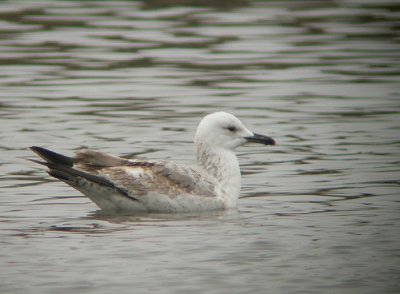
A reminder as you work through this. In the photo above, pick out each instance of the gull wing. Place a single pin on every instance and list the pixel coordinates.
(166, 178)
(132, 178)
(62, 168)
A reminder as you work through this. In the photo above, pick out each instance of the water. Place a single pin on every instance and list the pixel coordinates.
(319, 212)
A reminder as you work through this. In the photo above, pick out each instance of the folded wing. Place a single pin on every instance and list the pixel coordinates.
(132, 178)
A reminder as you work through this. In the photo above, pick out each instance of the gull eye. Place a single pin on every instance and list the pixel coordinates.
(231, 129)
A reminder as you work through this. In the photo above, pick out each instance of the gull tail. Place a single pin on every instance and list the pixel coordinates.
(61, 167)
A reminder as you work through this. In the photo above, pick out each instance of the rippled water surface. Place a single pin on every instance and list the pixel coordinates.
(319, 212)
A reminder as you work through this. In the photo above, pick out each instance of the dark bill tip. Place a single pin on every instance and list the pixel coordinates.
(261, 139)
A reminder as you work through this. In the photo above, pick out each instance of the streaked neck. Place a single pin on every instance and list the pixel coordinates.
(223, 165)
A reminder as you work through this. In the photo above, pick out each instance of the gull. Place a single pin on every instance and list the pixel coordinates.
(116, 184)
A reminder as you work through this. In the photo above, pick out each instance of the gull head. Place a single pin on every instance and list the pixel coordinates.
(224, 130)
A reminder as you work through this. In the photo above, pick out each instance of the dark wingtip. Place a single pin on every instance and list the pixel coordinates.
(51, 156)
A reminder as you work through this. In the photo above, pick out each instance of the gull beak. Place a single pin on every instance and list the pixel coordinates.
(257, 138)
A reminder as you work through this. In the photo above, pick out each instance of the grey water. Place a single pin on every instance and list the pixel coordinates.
(319, 212)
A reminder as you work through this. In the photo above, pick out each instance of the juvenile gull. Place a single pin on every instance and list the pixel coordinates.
(143, 185)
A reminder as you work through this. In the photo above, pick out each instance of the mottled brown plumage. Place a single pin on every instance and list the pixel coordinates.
(139, 184)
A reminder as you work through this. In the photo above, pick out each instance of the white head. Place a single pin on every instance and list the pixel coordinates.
(224, 130)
